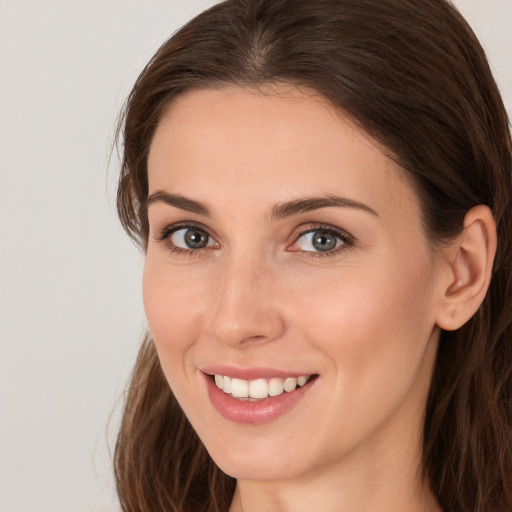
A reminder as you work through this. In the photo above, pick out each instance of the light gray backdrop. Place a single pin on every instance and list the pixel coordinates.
(70, 307)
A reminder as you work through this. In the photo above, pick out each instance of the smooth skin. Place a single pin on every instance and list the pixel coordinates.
(233, 277)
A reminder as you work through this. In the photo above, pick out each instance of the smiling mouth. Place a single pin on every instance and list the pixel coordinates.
(259, 389)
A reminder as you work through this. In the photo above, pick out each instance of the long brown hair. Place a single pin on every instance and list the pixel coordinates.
(412, 74)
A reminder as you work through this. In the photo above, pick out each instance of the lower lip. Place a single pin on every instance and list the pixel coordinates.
(257, 412)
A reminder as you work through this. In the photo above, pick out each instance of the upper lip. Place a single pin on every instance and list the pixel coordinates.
(252, 372)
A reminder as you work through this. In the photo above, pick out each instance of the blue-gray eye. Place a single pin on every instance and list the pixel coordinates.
(320, 240)
(191, 238)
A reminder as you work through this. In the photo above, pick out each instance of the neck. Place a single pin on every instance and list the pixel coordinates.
(327, 495)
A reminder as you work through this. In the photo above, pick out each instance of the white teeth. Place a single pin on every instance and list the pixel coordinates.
(227, 385)
(275, 387)
(259, 388)
(219, 380)
(290, 384)
(239, 388)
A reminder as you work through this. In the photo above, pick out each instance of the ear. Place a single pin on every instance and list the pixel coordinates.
(469, 262)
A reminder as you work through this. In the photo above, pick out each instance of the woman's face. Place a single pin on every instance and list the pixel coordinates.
(284, 244)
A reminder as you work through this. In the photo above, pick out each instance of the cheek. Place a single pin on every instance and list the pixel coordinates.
(363, 307)
(173, 307)
(374, 326)
(374, 329)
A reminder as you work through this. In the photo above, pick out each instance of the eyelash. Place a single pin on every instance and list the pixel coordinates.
(348, 240)
(165, 234)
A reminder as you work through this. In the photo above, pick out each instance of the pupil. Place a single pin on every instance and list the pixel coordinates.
(196, 239)
(324, 241)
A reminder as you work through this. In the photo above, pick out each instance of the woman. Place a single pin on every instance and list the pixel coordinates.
(323, 193)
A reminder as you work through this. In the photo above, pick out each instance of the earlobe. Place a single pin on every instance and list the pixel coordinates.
(470, 259)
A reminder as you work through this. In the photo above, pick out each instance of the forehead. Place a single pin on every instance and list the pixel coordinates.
(237, 145)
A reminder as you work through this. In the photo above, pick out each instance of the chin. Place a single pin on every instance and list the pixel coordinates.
(258, 460)
(256, 469)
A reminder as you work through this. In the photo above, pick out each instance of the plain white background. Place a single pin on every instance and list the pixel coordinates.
(70, 305)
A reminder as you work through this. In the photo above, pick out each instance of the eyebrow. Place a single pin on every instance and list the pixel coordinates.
(279, 211)
(307, 204)
(184, 203)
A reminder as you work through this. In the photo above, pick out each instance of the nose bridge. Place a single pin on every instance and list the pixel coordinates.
(244, 308)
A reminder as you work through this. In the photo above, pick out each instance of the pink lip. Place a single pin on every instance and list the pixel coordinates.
(257, 412)
(250, 373)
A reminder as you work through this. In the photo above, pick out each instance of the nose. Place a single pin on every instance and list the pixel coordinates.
(245, 309)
